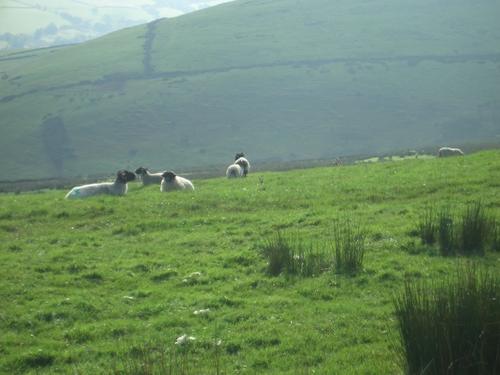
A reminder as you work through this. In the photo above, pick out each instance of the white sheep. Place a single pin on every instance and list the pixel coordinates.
(148, 178)
(234, 171)
(239, 168)
(118, 187)
(447, 151)
(173, 182)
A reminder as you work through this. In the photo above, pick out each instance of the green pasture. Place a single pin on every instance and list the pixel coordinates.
(108, 284)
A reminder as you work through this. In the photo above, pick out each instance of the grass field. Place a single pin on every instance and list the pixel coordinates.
(107, 285)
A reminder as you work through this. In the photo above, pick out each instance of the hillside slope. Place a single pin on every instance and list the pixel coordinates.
(279, 80)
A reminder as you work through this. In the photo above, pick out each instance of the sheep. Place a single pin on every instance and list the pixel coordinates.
(447, 151)
(148, 178)
(239, 168)
(243, 162)
(234, 171)
(173, 182)
(118, 187)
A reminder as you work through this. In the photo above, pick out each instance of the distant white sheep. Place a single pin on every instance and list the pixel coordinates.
(234, 171)
(148, 178)
(239, 168)
(118, 187)
(447, 151)
(173, 182)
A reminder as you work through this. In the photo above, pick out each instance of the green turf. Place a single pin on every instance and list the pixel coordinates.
(101, 284)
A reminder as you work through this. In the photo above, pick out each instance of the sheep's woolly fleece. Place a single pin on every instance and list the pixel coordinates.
(118, 187)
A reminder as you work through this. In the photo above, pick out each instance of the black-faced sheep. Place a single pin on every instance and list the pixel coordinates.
(447, 151)
(173, 182)
(239, 168)
(234, 171)
(148, 178)
(118, 187)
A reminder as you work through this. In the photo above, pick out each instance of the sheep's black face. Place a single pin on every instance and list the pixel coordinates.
(169, 176)
(125, 176)
(141, 170)
(239, 155)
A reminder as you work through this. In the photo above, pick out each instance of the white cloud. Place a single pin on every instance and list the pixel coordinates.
(84, 19)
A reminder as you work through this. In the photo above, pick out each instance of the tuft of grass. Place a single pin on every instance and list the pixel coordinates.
(427, 227)
(280, 250)
(473, 232)
(349, 246)
(476, 228)
(292, 256)
(447, 242)
(452, 327)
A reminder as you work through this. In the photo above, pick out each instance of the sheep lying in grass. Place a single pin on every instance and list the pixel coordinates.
(148, 178)
(239, 168)
(173, 182)
(118, 187)
(447, 151)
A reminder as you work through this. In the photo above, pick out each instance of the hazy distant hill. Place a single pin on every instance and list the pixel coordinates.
(279, 80)
(43, 23)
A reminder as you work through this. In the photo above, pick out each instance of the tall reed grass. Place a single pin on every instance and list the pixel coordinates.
(349, 246)
(450, 328)
(290, 255)
(474, 230)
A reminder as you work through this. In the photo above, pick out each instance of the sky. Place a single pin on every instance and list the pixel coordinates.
(42, 23)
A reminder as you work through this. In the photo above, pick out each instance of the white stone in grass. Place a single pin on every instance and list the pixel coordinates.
(182, 340)
(198, 312)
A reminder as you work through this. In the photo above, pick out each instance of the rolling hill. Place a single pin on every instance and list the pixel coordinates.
(281, 80)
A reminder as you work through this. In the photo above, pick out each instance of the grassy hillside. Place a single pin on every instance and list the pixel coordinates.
(280, 80)
(103, 284)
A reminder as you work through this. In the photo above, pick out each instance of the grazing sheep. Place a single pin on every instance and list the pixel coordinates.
(447, 151)
(173, 182)
(240, 168)
(148, 178)
(118, 187)
(244, 164)
(234, 171)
